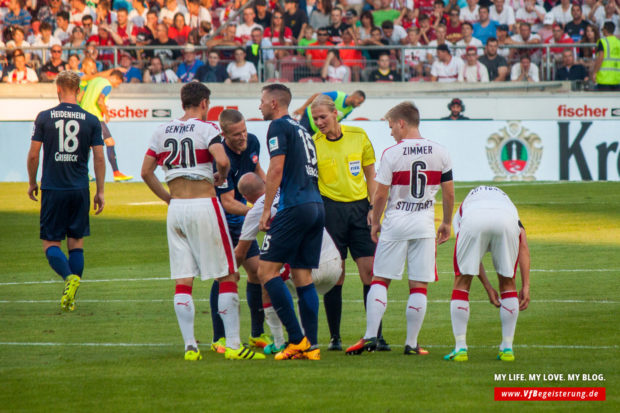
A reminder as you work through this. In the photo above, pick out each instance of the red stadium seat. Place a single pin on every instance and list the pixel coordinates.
(287, 66)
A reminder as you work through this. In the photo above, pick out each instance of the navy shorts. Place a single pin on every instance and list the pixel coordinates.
(295, 236)
(235, 233)
(64, 213)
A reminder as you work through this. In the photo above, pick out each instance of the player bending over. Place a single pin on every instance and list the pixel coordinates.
(198, 240)
(488, 221)
(67, 134)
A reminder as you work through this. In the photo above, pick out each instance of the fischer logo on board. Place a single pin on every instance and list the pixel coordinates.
(583, 111)
(127, 112)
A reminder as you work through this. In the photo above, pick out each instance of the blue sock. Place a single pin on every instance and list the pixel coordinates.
(76, 261)
(309, 311)
(255, 302)
(58, 261)
(283, 304)
(216, 320)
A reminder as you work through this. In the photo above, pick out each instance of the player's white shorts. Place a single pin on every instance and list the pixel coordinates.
(198, 239)
(482, 231)
(327, 275)
(390, 258)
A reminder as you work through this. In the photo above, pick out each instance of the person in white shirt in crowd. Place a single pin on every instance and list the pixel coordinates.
(502, 14)
(156, 73)
(21, 73)
(45, 39)
(415, 59)
(197, 14)
(593, 11)
(394, 33)
(525, 36)
(79, 9)
(18, 41)
(612, 14)
(468, 40)
(470, 13)
(137, 15)
(533, 14)
(241, 70)
(562, 12)
(63, 27)
(524, 70)
(244, 30)
(167, 13)
(333, 70)
(473, 70)
(446, 68)
(440, 38)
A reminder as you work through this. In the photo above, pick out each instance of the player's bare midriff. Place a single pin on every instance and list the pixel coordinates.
(181, 188)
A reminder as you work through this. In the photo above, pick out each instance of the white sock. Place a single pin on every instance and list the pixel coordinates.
(416, 309)
(376, 303)
(184, 308)
(459, 313)
(275, 325)
(508, 314)
(228, 308)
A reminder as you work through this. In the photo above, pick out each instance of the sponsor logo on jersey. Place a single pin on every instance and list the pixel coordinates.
(355, 167)
(254, 158)
(273, 144)
(514, 153)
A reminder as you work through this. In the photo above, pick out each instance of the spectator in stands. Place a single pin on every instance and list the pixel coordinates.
(427, 33)
(73, 63)
(337, 26)
(351, 58)
(532, 14)
(394, 34)
(612, 15)
(166, 55)
(383, 11)
(45, 40)
(104, 14)
(468, 40)
(367, 23)
(502, 14)
(415, 59)
(55, 65)
(18, 42)
(438, 15)
(77, 42)
(503, 40)
(92, 53)
(496, 65)
(307, 37)
(384, 72)
(559, 37)
(562, 12)
(322, 13)
(456, 108)
(470, 14)
(121, 31)
(594, 11)
(166, 15)
(295, 18)
(576, 28)
(333, 70)
(213, 71)
(473, 70)
(570, 70)
(376, 39)
(241, 70)
(453, 28)
(486, 27)
(137, 16)
(149, 30)
(279, 34)
(315, 58)
(244, 30)
(132, 73)
(47, 13)
(423, 6)
(186, 71)
(524, 70)
(179, 31)
(263, 16)
(21, 73)
(204, 31)
(17, 15)
(104, 38)
(588, 54)
(525, 36)
(445, 68)
(197, 14)
(155, 73)
(227, 38)
(63, 27)
(88, 24)
(605, 71)
(79, 9)
(546, 31)
(431, 54)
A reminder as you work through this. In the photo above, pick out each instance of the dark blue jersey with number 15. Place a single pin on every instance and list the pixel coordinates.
(67, 132)
(300, 175)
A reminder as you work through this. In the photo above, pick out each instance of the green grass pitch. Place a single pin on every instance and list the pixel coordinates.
(121, 350)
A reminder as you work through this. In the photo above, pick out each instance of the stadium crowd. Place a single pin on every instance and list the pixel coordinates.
(230, 41)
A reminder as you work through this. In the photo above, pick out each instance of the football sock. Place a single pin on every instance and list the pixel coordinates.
(216, 320)
(184, 308)
(508, 314)
(112, 157)
(459, 313)
(76, 261)
(228, 304)
(58, 261)
(380, 330)
(309, 311)
(416, 309)
(283, 304)
(375, 308)
(332, 301)
(255, 302)
(275, 326)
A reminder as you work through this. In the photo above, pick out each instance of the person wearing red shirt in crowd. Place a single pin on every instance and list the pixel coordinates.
(438, 15)
(315, 58)
(106, 56)
(427, 33)
(78, 10)
(453, 28)
(352, 58)
(122, 30)
(559, 37)
(279, 34)
(425, 6)
(104, 15)
(179, 30)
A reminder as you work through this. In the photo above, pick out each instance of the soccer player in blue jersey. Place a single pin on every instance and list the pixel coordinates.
(295, 234)
(67, 134)
(243, 151)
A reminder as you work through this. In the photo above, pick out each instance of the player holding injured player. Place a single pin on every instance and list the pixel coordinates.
(198, 239)
(488, 221)
(324, 278)
(411, 173)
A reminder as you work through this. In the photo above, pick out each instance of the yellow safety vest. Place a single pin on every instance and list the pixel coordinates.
(609, 73)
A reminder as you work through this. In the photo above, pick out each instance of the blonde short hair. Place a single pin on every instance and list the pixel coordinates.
(406, 111)
(68, 80)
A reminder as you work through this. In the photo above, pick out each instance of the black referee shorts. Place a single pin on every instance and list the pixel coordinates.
(346, 223)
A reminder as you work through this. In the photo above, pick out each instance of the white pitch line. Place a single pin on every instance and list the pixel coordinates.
(164, 300)
(541, 346)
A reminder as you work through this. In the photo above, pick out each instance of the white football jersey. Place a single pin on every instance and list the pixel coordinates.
(182, 149)
(414, 168)
(485, 197)
(249, 230)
